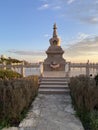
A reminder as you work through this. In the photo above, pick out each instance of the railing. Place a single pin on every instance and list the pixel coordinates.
(39, 66)
(82, 65)
(87, 66)
(22, 67)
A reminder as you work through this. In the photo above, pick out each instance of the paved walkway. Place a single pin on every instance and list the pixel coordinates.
(51, 112)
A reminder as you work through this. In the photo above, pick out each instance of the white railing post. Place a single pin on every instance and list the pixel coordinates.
(67, 69)
(4, 65)
(87, 69)
(12, 67)
(23, 69)
(41, 68)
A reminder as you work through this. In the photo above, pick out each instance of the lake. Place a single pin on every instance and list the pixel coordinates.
(73, 71)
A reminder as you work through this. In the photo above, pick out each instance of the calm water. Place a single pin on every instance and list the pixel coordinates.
(78, 71)
(29, 71)
(73, 71)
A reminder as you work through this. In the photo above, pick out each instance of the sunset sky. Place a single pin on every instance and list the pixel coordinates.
(27, 25)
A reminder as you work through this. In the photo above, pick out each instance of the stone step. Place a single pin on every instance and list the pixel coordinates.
(54, 86)
(53, 83)
(55, 77)
(54, 80)
(54, 91)
(50, 80)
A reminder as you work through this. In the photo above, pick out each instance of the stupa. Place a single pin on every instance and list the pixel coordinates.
(54, 60)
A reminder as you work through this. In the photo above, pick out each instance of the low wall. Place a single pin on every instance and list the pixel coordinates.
(15, 96)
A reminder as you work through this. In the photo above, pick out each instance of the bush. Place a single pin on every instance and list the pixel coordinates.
(94, 120)
(96, 79)
(9, 74)
(15, 98)
(84, 93)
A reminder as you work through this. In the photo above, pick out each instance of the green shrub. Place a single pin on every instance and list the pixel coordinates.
(9, 74)
(94, 120)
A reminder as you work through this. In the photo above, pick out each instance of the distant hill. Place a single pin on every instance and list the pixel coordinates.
(10, 60)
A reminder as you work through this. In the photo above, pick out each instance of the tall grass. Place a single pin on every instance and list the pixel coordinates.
(84, 93)
(15, 97)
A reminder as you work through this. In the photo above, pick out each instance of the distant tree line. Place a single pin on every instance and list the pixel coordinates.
(10, 60)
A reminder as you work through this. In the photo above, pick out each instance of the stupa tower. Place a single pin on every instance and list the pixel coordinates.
(54, 60)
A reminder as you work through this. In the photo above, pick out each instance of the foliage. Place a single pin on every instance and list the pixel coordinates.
(84, 93)
(4, 123)
(96, 79)
(8, 74)
(9, 60)
(16, 96)
(94, 120)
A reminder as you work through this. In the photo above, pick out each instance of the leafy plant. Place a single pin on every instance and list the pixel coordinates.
(16, 95)
(9, 74)
(94, 120)
(9, 60)
(84, 95)
(96, 79)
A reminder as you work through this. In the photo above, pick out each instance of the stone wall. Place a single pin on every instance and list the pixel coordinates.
(15, 96)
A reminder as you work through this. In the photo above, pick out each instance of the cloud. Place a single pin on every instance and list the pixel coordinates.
(43, 7)
(70, 1)
(85, 49)
(30, 56)
(50, 5)
(57, 7)
(28, 53)
(82, 36)
(84, 11)
(90, 20)
(44, 0)
(46, 35)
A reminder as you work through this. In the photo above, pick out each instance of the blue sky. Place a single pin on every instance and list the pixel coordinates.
(26, 27)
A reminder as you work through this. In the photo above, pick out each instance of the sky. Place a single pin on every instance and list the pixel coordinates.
(27, 25)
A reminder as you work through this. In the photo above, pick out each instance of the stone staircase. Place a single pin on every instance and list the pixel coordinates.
(52, 109)
(54, 85)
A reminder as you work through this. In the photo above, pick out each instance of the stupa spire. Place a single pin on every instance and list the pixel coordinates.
(54, 61)
(55, 40)
(54, 30)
